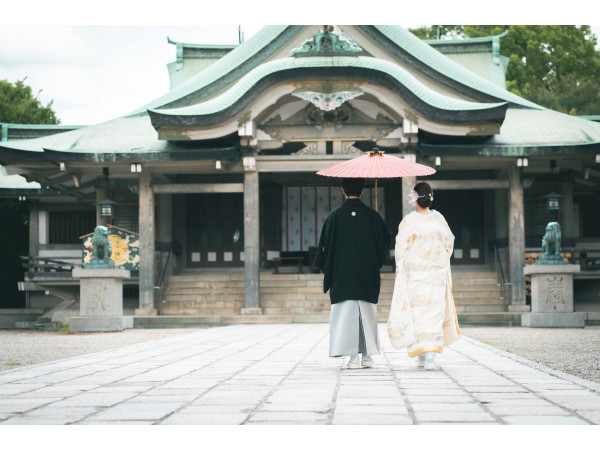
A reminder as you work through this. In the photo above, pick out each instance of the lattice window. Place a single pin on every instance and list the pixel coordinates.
(65, 227)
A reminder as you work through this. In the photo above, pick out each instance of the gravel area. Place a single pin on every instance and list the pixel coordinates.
(23, 347)
(572, 350)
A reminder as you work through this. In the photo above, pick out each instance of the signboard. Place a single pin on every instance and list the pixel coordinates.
(125, 248)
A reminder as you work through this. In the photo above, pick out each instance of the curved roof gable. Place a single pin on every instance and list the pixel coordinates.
(423, 98)
(235, 64)
(431, 62)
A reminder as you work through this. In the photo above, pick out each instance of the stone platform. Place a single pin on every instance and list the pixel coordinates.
(281, 374)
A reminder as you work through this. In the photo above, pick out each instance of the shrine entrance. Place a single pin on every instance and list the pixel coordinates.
(215, 230)
(464, 212)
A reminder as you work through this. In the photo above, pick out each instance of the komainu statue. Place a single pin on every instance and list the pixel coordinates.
(551, 245)
(101, 250)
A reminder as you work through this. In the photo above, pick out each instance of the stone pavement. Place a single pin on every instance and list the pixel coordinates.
(281, 374)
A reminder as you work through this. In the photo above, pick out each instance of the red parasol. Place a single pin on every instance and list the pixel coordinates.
(376, 164)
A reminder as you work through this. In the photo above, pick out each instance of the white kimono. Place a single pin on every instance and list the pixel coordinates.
(423, 315)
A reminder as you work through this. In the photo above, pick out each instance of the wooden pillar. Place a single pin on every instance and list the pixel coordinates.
(407, 184)
(34, 229)
(100, 196)
(147, 231)
(567, 212)
(251, 243)
(516, 240)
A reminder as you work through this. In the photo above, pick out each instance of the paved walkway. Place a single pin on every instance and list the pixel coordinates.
(281, 374)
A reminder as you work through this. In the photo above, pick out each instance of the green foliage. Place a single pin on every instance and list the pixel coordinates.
(556, 66)
(12, 363)
(19, 105)
(65, 327)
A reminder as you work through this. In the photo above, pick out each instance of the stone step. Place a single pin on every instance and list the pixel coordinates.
(206, 284)
(175, 290)
(202, 320)
(195, 310)
(296, 310)
(489, 318)
(481, 308)
(190, 297)
(209, 276)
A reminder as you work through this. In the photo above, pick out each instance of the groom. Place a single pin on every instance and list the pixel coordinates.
(352, 249)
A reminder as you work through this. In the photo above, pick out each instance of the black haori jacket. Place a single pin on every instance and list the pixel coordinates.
(352, 248)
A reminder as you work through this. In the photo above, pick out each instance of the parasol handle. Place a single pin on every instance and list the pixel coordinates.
(376, 202)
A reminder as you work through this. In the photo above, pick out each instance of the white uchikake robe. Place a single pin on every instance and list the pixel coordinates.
(423, 315)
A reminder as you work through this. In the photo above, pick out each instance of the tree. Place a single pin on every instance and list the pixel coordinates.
(18, 105)
(556, 66)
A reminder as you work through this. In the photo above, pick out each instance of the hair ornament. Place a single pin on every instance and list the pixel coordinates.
(413, 196)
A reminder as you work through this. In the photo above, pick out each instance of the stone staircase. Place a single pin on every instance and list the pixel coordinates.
(218, 297)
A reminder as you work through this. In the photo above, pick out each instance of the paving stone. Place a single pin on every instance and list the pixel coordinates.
(518, 403)
(95, 399)
(526, 410)
(67, 415)
(321, 407)
(495, 396)
(434, 392)
(137, 411)
(20, 405)
(513, 388)
(592, 416)
(451, 416)
(289, 416)
(543, 420)
(217, 409)
(447, 407)
(370, 401)
(119, 422)
(221, 376)
(447, 398)
(162, 398)
(370, 409)
(371, 419)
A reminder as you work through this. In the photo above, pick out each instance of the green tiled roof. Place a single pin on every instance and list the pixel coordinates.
(17, 182)
(232, 95)
(219, 69)
(528, 127)
(467, 41)
(434, 59)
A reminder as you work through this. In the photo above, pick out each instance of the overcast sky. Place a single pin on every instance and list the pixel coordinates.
(103, 63)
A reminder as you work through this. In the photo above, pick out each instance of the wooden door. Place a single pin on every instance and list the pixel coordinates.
(463, 210)
(215, 230)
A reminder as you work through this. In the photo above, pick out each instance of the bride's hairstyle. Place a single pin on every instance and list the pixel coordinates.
(425, 193)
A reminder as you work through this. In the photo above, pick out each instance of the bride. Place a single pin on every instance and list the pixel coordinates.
(423, 316)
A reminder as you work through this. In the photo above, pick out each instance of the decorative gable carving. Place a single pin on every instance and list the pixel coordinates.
(329, 42)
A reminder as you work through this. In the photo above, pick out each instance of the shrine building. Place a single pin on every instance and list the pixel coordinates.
(216, 179)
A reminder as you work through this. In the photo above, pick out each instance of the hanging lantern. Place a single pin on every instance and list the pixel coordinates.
(106, 207)
(553, 201)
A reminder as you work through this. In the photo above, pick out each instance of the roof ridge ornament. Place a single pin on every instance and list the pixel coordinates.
(329, 42)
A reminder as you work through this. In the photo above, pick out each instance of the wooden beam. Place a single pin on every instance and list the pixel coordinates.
(467, 184)
(198, 188)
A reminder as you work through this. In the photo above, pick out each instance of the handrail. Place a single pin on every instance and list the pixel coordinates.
(160, 299)
(164, 269)
(500, 271)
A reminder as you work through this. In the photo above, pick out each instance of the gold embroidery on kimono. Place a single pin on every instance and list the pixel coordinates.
(422, 304)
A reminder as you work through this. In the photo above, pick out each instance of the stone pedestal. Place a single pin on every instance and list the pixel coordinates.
(552, 297)
(101, 304)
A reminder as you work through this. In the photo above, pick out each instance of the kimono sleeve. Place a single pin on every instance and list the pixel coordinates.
(320, 258)
(447, 236)
(402, 241)
(325, 250)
